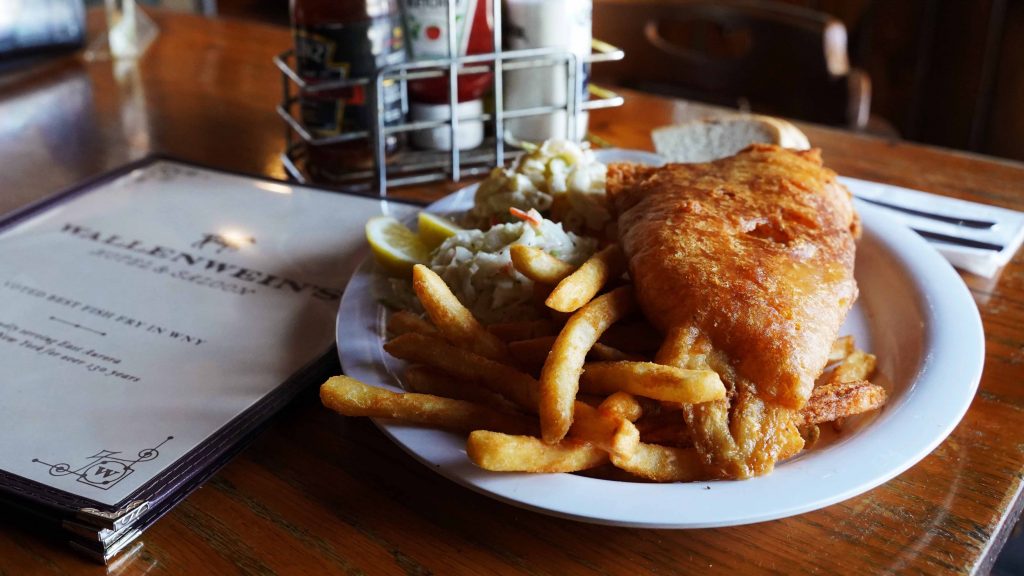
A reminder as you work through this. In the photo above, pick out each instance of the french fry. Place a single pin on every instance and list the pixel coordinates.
(625, 441)
(652, 380)
(506, 453)
(794, 442)
(524, 329)
(594, 426)
(521, 389)
(841, 348)
(580, 287)
(653, 462)
(622, 405)
(351, 397)
(610, 473)
(453, 320)
(531, 354)
(559, 380)
(834, 401)
(859, 365)
(403, 322)
(684, 348)
(538, 265)
(427, 380)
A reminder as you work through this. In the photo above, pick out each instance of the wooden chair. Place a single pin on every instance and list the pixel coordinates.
(779, 59)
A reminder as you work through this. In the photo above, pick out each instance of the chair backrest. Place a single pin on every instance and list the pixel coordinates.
(780, 58)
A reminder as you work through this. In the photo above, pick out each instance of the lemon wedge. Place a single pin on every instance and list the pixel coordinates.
(434, 229)
(395, 247)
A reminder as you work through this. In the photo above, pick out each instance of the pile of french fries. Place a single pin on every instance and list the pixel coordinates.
(574, 391)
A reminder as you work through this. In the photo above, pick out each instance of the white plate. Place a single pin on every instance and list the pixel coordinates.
(914, 313)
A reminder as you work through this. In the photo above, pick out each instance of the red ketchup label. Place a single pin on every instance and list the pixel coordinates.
(426, 23)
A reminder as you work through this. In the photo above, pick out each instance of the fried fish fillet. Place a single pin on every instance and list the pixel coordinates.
(745, 264)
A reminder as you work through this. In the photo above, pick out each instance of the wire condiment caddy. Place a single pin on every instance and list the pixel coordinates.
(409, 166)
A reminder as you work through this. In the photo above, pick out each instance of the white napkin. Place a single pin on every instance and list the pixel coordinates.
(1007, 232)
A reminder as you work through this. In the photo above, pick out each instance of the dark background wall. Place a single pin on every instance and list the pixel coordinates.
(944, 72)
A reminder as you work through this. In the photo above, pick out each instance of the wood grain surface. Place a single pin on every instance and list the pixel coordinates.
(319, 493)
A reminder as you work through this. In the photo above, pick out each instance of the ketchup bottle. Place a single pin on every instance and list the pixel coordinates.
(335, 40)
(426, 23)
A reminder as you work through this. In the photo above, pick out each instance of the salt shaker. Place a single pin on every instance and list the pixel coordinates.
(562, 24)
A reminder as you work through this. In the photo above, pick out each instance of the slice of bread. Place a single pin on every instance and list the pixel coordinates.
(719, 137)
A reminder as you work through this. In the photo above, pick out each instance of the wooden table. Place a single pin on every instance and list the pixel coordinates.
(319, 493)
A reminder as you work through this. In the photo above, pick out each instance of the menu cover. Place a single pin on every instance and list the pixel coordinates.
(150, 321)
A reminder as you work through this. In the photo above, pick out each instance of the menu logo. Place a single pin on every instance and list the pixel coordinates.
(200, 261)
(105, 469)
(222, 242)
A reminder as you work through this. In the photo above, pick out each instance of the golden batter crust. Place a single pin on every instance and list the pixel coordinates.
(747, 262)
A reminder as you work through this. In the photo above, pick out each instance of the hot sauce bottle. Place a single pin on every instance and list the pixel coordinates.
(341, 39)
(427, 27)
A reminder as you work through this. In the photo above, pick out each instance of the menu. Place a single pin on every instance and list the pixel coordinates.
(151, 319)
